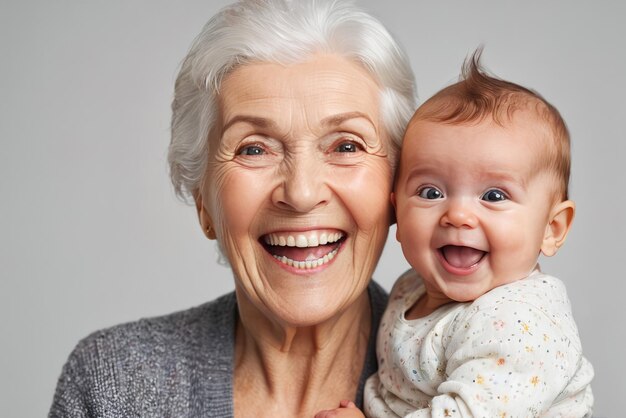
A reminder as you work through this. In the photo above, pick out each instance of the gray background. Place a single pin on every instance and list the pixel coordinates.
(92, 235)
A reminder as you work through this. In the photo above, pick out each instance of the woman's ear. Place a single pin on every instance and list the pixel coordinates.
(203, 216)
(559, 223)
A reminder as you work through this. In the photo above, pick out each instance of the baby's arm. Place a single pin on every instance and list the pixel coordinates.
(511, 359)
(346, 409)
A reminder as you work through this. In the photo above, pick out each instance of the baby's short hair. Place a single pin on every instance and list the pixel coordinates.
(477, 96)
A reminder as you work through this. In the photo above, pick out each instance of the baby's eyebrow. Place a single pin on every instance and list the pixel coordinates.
(421, 170)
(430, 169)
(505, 176)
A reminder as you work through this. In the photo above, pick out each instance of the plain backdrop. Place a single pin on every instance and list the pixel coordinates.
(92, 235)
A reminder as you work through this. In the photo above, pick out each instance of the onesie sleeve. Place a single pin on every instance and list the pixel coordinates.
(506, 358)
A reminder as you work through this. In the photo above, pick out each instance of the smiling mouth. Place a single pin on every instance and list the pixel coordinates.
(303, 250)
(461, 257)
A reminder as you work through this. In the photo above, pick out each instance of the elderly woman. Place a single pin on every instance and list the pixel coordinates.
(286, 124)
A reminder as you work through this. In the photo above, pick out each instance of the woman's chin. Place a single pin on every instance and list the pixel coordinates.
(304, 305)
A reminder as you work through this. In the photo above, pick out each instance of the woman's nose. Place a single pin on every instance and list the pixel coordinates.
(304, 186)
(459, 214)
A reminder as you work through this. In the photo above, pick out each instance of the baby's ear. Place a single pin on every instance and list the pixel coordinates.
(392, 199)
(559, 223)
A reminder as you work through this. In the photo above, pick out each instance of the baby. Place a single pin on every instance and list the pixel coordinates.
(476, 329)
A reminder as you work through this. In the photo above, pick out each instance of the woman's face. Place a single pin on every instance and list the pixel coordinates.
(297, 186)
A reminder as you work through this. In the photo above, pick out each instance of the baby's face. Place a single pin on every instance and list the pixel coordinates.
(471, 205)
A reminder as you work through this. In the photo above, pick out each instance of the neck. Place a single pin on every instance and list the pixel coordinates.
(426, 305)
(283, 370)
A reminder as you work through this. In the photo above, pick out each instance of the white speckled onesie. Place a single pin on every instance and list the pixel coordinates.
(513, 352)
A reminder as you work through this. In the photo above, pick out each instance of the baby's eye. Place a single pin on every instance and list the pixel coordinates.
(347, 146)
(251, 150)
(430, 193)
(494, 195)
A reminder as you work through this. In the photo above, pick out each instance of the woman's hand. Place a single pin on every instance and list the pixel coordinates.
(347, 409)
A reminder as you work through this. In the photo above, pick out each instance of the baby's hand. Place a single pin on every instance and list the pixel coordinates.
(347, 409)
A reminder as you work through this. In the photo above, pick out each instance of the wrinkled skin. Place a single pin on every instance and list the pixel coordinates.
(299, 157)
(278, 166)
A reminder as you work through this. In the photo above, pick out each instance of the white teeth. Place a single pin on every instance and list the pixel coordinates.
(307, 264)
(301, 240)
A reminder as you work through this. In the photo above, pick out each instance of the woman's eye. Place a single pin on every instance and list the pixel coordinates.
(251, 150)
(430, 193)
(347, 147)
(494, 195)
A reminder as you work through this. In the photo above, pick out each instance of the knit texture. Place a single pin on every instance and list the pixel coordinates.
(178, 365)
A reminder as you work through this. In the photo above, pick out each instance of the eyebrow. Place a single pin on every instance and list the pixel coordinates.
(496, 174)
(520, 180)
(261, 122)
(335, 120)
(252, 120)
(420, 171)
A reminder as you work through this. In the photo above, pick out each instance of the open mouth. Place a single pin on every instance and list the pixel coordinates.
(459, 259)
(303, 250)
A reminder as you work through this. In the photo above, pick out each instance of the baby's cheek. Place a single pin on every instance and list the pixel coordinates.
(515, 244)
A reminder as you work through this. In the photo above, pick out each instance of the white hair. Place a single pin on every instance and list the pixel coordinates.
(284, 32)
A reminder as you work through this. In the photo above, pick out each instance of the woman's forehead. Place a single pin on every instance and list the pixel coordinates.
(321, 87)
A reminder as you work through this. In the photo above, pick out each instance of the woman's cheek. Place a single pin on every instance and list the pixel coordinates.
(368, 192)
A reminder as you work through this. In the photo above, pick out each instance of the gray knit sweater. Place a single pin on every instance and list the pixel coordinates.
(179, 365)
